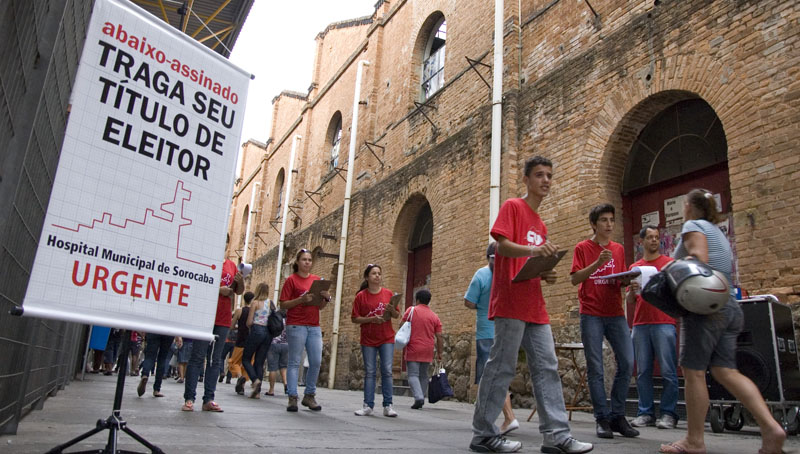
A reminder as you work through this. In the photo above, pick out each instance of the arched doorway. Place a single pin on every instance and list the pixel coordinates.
(682, 147)
(420, 246)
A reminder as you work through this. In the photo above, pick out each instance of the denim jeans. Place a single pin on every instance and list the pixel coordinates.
(419, 386)
(649, 342)
(615, 329)
(197, 361)
(255, 351)
(310, 337)
(370, 356)
(155, 353)
(482, 349)
(537, 341)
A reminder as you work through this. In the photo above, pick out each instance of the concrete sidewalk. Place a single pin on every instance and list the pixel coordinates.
(249, 425)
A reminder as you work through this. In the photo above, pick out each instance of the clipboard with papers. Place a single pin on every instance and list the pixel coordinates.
(317, 287)
(394, 302)
(535, 266)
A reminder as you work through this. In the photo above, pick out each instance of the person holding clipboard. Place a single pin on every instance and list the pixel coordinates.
(602, 315)
(520, 319)
(302, 299)
(373, 309)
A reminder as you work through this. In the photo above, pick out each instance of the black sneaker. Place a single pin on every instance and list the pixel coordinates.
(604, 429)
(495, 444)
(417, 404)
(142, 386)
(620, 424)
(239, 388)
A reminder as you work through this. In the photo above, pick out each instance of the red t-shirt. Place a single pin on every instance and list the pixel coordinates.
(368, 304)
(646, 313)
(294, 287)
(521, 300)
(597, 295)
(224, 306)
(424, 326)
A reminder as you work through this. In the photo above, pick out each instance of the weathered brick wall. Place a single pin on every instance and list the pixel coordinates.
(578, 88)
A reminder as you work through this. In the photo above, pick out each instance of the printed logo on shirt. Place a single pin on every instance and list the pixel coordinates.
(227, 279)
(378, 310)
(599, 275)
(534, 238)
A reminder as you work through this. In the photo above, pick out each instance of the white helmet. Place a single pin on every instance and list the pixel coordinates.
(698, 287)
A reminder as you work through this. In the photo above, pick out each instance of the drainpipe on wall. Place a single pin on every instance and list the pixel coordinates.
(497, 114)
(348, 189)
(287, 193)
(251, 209)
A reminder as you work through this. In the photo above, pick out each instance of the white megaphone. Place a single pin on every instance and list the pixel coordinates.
(245, 269)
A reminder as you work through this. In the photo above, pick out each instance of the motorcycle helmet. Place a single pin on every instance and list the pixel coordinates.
(698, 287)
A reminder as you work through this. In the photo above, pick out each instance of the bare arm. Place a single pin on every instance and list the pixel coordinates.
(326, 298)
(288, 304)
(508, 248)
(363, 320)
(253, 308)
(696, 245)
(235, 319)
(439, 346)
(469, 304)
(581, 275)
(238, 283)
(630, 294)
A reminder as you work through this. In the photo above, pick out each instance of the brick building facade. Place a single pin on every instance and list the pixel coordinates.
(634, 101)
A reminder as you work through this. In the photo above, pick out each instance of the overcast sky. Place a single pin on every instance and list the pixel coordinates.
(277, 45)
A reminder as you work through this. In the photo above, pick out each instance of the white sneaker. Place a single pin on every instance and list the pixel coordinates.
(389, 411)
(365, 411)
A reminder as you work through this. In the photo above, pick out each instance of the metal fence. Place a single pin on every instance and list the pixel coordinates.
(40, 44)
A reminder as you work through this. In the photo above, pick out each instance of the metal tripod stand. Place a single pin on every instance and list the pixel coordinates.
(113, 423)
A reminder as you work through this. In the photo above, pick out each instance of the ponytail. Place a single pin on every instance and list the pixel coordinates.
(703, 201)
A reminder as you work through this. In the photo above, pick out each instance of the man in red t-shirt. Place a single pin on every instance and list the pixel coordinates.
(654, 336)
(230, 283)
(602, 315)
(521, 319)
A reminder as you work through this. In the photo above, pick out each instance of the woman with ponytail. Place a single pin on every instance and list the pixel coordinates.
(377, 337)
(712, 337)
(258, 340)
(302, 329)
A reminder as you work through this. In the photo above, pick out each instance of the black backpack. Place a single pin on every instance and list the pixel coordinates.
(274, 322)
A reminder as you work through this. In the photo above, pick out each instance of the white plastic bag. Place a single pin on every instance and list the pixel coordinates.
(403, 334)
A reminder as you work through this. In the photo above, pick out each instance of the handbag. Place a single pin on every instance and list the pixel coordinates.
(403, 334)
(274, 323)
(658, 293)
(439, 387)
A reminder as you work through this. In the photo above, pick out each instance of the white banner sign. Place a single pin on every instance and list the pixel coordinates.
(134, 234)
(650, 218)
(673, 210)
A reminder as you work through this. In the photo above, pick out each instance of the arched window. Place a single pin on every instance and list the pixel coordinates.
(243, 230)
(433, 60)
(684, 137)
(334, 138)
(277, 196)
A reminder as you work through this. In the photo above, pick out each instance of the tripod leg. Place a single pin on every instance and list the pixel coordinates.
(153, 449)
(101, 425)
(111, 446)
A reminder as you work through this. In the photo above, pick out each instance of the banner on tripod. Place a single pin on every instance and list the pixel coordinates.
(134, 233)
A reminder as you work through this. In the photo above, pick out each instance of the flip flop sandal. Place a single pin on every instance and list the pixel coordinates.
(188, 406)
(212, 406)
(158, 394)
(674, 448)
(269, 393)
